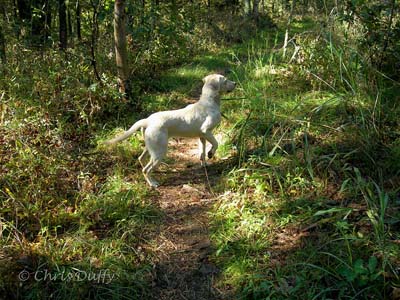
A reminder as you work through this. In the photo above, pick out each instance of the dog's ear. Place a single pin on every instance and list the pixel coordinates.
(214, 81)
(206, 78)
(221, 80)
(218, 81)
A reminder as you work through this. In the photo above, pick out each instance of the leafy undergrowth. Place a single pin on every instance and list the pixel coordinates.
(310, 210)
(74, 215)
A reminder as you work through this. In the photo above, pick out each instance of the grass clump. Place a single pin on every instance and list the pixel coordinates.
(308, 207)
(313, 181)
(67, 209)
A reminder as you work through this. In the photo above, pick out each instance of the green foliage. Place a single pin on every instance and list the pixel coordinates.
(309, 127)
(308, 209)
(119, 201)
(168, 37)
(361, 273)
(381, 32)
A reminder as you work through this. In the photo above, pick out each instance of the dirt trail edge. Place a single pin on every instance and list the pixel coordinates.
(182, 245)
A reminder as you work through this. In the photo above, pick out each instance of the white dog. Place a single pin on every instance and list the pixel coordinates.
(195, 120)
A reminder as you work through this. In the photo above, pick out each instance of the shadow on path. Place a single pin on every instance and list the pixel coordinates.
(182, 244)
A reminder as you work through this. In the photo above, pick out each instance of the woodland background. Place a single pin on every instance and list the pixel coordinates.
(305, 189)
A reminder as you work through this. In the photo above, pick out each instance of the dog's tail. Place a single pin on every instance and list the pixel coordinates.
(139, 124)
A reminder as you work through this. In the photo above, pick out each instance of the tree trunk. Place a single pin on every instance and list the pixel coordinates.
(47, 10)
(153, 16)
(63, 24)
(69, 23)
(143, 12)
(208, 11)
(38, 22)
(121, 54)
(94, 38)
(2, 46)
(388, 33)
(234, 4)
(174, 11)
(2, 37)
(78, 20)
(288, 27)
(247, 7)
(24, 10)
(255, 9)
(273, 8)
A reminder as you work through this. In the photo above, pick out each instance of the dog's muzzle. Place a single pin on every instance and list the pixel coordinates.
(231, 86)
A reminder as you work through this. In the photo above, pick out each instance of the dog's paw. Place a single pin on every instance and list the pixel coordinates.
(154, 184)
(151, 182)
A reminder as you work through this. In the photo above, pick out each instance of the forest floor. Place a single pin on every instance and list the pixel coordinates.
(289, 208)
(182, 244)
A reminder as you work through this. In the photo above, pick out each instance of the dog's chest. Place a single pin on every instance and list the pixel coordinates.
(192, 121)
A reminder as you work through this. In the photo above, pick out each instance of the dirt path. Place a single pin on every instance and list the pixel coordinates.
(182, 245)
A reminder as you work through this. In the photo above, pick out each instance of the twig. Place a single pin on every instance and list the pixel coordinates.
(208, 180)
(388, 32)
(319, 78)
(94, 36)
(224, 116)
(224, 99)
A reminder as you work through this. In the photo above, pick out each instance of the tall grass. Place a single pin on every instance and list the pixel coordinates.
(309, 127)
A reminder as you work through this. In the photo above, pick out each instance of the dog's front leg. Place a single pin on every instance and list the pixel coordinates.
(202, 148)
(209, 137)
(206, 127)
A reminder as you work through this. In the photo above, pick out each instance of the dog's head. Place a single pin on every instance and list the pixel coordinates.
(219, 83)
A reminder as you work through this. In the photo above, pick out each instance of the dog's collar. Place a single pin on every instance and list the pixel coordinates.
(224, 116)
(224, 99)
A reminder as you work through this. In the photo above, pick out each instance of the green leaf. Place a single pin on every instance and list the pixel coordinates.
(363, 280)
(347, 273)
(372, 263)
(93, 87)
(359, 267)
(344, 185)
(332, 210)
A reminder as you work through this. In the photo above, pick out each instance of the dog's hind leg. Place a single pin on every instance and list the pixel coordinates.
(145, 152)
(156, 141)
(142, 157)
(148, 169)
